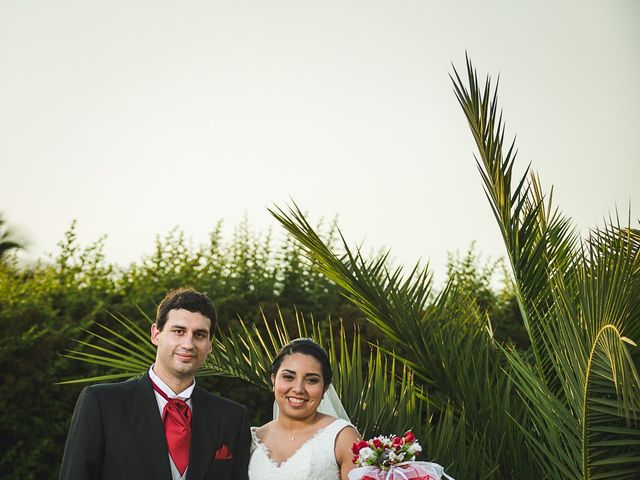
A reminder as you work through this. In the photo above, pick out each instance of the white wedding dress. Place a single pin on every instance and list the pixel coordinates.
(315, 459)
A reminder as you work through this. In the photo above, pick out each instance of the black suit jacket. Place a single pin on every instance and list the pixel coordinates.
(116, 433)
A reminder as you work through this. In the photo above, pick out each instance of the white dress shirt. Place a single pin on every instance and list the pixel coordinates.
(183, 395)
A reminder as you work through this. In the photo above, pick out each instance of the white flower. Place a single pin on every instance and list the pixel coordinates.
(366, 453)
(414, 448)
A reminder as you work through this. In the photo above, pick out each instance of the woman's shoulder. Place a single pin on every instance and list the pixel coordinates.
(333, 423)
(345, 431)
(337, 429)
(261, 431)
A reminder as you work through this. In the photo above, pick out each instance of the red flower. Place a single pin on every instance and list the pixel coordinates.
(367, 477)
(409, 437)
(397, 441)
(377, 443)
(356, 447)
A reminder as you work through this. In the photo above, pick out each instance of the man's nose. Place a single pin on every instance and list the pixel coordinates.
(187, 340)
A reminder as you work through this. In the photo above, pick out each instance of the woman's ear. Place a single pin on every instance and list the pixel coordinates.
(273, 381)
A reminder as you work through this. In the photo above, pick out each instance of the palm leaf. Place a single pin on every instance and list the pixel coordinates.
(611, 423)
(538, 238)
(579, 301)
(377, 394)
(129, 353)
(442, 339)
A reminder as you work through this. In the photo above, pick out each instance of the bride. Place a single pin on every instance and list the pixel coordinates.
(301, 442)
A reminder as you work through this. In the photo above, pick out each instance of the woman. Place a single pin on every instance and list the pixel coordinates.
(302, 442)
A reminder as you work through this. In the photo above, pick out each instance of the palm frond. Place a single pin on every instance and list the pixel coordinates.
(579, 301)
(553, 429)
(378, 394)
(611, 418)
(448, 429)
(537, 237)
(444, 339)
(129, 353)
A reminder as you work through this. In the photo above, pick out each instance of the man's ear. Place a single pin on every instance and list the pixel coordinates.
(154, 334)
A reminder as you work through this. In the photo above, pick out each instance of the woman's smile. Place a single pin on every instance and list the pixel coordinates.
(297, 402)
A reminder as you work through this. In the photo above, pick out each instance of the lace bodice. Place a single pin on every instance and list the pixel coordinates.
(315, 459)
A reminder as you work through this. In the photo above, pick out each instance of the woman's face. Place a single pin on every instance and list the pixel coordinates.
(298, 386)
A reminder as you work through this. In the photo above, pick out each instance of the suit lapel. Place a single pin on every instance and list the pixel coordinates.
(147, 427)
(205, 427)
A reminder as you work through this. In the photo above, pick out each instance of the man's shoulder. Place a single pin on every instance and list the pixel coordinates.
(115, 388)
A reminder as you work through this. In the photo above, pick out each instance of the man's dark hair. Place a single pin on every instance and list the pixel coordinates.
(305, 346)
(187, 299)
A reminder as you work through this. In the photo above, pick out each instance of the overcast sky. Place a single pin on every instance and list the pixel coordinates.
(137, 116)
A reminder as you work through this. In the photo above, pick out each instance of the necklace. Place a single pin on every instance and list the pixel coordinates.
(293, 434)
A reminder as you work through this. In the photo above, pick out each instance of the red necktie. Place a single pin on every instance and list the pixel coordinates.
(176, 418)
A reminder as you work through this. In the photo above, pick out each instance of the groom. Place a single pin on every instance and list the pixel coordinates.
(161, 426)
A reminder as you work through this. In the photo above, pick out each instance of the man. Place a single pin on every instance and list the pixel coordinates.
(161, 426)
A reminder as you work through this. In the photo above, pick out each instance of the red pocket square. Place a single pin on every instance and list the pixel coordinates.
(223, 453)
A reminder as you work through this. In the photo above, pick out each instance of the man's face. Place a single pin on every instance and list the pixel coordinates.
(183, 345)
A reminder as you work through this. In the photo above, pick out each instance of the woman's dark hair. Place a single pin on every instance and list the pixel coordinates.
(306, 346)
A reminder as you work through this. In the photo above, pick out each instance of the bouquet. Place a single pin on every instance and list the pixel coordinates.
(392, 458)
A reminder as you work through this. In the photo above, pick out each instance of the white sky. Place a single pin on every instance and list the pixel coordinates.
(137, 116)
